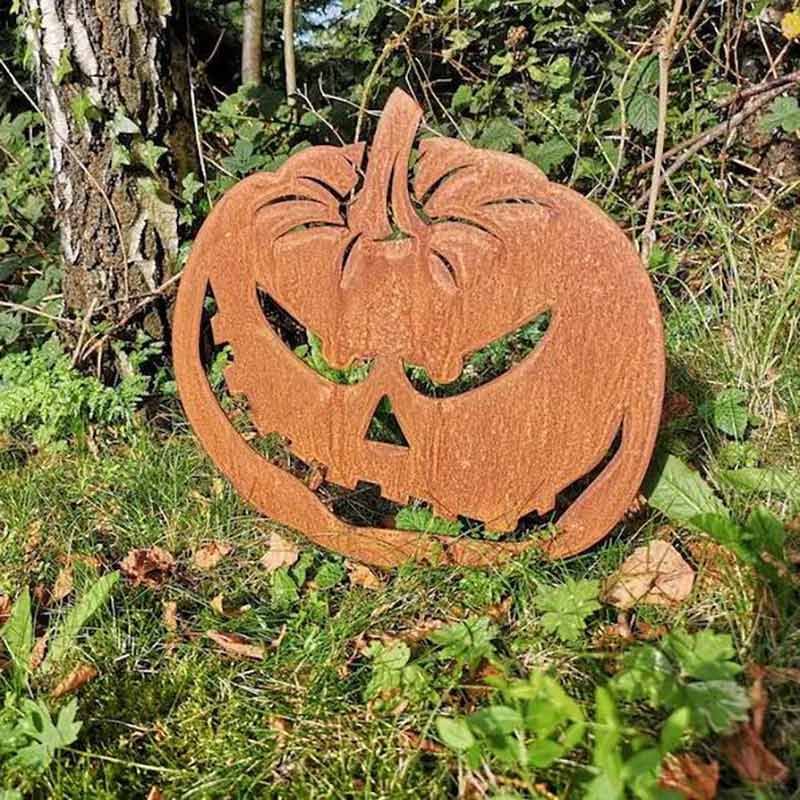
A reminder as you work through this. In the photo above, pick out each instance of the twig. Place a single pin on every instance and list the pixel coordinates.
(84, 327)
(92, 346)
(197, 140)
(699, 142)
(665, 56)
(307, 100)
(35, 312)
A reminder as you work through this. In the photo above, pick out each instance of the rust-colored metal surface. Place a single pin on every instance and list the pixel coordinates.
(425, 270)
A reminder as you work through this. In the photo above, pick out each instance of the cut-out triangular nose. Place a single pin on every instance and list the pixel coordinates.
(384, 426)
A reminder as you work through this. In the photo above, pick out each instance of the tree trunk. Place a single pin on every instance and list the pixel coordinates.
(252, 40)
(112, 82)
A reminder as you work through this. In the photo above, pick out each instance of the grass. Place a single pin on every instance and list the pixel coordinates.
(197, 724)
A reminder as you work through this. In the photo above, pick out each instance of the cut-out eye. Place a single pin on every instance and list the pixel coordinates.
(486, 364)
(306, 345)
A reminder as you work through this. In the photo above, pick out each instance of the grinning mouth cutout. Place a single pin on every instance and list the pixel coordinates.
(364, 505)
(479, 367)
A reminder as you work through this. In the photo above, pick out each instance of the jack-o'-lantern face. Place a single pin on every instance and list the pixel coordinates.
(394, 273)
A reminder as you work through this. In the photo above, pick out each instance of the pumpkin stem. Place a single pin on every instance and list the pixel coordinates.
(384, 198)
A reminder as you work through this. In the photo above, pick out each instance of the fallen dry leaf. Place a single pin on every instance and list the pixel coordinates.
(155, 794)
(38, 651)
(5, 608)
(79, 676)
(149, 566)
(745, 750)
(64, 582)
(236, 645)
(281, 553)
(422, 744)
(361, 575)
(691, 777)
(499, 611)
(209, 555)
(170, 615)
(654, 574)
(224, 610)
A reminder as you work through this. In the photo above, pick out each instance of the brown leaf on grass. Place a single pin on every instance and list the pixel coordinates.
(209, 555)
(236, 645)
(422, 744)
(225, 610)
(691, 777)
(79, 676)
(745, 750)
(64, 582)
(170, 616)
(499, 611)
(654, 574)
(361, 575)
(281, 553)
(151, 566)
(38, 652)
(155, 794)
(5, 608)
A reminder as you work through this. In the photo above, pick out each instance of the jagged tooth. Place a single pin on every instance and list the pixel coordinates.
(235, 379)
(505, 522)
(220, 329)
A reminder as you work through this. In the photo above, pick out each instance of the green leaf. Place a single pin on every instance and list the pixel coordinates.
(728, 413)
(705, 655)
(45, 737)
(420, 518)
(149, 153)
(727, 532)
(679, 492)
(367, 11)
(501, 134)
(466, 642)
(549, 154)
(764, 480)
(783, 113)
(329, 574)
(89, 604)
(496, 721)
(675, 728)
(462, 97)
(17, 633)
(283, 589)
(455, 733)
(642, 112)
(717, 705)
(567, 606)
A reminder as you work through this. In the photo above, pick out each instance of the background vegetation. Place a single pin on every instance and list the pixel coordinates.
(162, 640)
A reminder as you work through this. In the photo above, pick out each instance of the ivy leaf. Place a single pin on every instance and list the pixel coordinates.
(783, 113)
(149, 153)
(567, 606)
(642, 112)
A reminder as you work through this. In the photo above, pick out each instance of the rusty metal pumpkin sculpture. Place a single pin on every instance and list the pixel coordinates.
(338, 243)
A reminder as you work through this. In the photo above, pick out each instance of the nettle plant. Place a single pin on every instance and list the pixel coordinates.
(690, 681)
